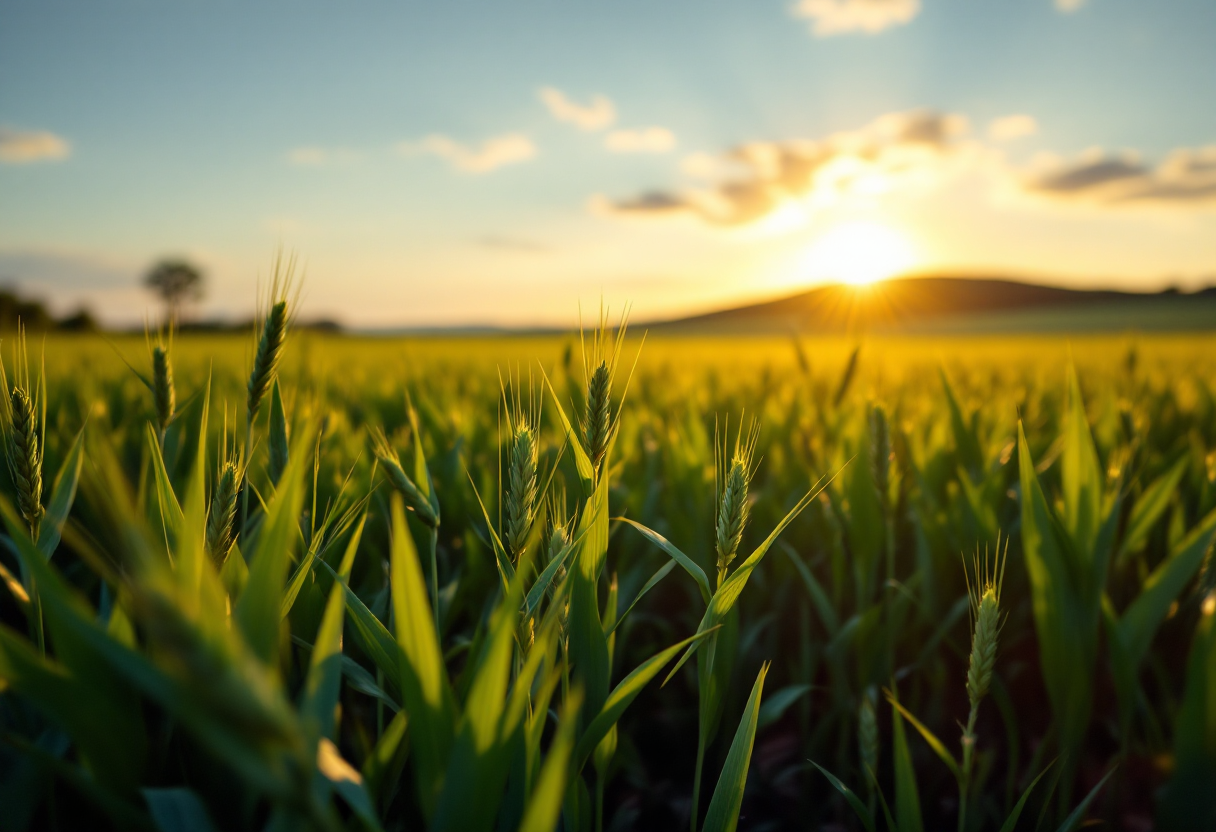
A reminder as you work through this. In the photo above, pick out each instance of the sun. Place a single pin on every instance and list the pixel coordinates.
(859, 254)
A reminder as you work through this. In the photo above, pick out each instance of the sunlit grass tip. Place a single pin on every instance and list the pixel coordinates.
(386, 457)
(984, 589)
(599, 423)
(164, 394)
(24, 417)
(221, 514)
(731, 481)
(282, 298)
(522, 409)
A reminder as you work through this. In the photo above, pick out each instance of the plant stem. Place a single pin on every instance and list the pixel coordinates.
(433, 545)
(245, 479)
(696, 782)
(964, 786)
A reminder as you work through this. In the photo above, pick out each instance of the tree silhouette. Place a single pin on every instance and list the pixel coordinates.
(177, 282)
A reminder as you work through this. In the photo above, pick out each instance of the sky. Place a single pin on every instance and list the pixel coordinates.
(503, 163)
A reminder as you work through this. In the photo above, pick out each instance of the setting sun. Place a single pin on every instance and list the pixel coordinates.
(858, 254)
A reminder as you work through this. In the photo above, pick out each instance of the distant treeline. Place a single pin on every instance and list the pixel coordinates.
(37, 318)
(223, 326)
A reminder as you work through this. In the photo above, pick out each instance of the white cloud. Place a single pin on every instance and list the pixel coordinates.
(1067, 6)
(320, 156)
(1008, 128)
(754, 180)
(496, 152)
(905, 155)
(22, 146)
(1186, 177)
(840, 17)
(596, 115)
(641, 140)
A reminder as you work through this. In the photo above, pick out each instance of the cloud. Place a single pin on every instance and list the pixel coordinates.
(1068, 6)
(1186, 177)
(320, 156)
(23, 146)
(841, 17)
(1008, 128)
(754, 180)
(597, 115)
(641, 140)
(496, 152)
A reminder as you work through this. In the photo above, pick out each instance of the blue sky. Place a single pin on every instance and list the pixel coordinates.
(499, 162)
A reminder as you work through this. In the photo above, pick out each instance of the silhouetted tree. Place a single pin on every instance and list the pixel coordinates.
(177, 282)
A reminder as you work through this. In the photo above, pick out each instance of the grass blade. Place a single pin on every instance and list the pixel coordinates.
(1012, 821)
(545, 805)
(934, 743)
(724, 806)
(582, 463)
(63, 494)
(259, 609)
(696, 572)
(425, 690)
(1148, 509)
(1078, 814)
(859, 808)
(623, 694)
(663, 572)
(1144, 615)
(324, 680)
(907, 795)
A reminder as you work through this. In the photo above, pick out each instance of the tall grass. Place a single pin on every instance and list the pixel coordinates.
(448, 601)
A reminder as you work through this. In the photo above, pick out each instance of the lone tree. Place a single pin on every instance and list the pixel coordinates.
(177, 282)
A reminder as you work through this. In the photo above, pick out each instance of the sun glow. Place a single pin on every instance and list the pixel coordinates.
(858, 254)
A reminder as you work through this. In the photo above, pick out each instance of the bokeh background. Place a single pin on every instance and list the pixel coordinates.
(465, 163)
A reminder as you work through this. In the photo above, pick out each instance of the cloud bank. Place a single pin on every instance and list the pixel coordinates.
(596, 115)
(842, 17)
(23, 146)
(756, 178)
(1186, 177)
(491, 154)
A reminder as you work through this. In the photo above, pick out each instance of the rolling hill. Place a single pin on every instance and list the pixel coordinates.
(940, 305)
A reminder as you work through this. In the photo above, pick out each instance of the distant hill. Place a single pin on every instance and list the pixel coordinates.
(932, 305)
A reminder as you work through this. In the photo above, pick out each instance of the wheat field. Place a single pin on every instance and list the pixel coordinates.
(307, 581)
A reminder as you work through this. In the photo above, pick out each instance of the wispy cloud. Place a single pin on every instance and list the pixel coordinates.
(1008, 128)
(596, 115)
(842, 17)
(493, 153)
(753, 180)
(24, 146)
(321, 156)
(1185, 177)
(641, 140)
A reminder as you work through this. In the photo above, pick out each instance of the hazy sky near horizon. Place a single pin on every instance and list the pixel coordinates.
(461, 162)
